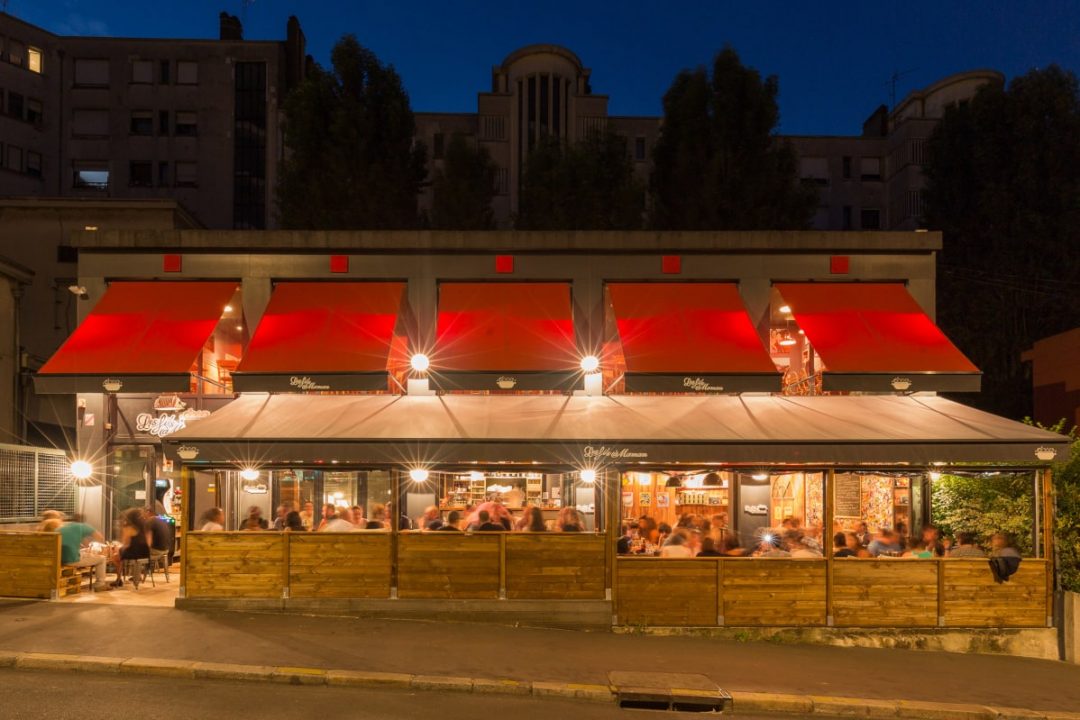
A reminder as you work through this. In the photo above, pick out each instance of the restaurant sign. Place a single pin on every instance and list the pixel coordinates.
(597, 452)
(306, 383)
(699, 384)
(167, 423)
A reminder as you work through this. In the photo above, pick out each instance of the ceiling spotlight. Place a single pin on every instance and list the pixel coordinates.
(228, 308)
(78, 291)
(249, 474)
(476, 476)
(420, 362)
(418, 475)
(81, 469)
(786, 339)
(760, 476)
(588, 476)
(590, 363)
(786, 309)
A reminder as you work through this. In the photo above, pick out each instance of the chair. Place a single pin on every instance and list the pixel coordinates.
(137, 570)
(159, 558)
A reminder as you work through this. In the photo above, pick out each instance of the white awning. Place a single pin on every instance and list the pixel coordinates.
(615, 429)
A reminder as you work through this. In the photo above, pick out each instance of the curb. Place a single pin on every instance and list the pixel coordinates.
(743, 702)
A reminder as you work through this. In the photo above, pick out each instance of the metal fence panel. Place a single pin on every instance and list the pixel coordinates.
(33, 480)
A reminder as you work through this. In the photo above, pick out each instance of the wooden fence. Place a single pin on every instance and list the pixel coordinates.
(29, 564)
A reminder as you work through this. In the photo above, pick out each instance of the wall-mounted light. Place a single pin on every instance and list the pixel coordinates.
(420, 362)
(786, 309)
(590, 363)
(786, 339)
(249, 474)
(418, 475)
(81, 469)
(588, 476)
(760, 475)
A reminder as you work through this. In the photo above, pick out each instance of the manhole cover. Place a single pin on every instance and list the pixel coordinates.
(685, 692)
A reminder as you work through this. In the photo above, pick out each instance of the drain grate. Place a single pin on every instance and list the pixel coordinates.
(680, 692)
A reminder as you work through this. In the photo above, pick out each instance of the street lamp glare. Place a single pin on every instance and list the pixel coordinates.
(81, 469)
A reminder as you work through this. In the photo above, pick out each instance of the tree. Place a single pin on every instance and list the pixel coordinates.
(985, 504)
(588, 185)
(463, 187)
(350, 161)
(1003, 185)
(718, 164)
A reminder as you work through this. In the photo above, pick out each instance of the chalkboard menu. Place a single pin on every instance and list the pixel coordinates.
(847, 495)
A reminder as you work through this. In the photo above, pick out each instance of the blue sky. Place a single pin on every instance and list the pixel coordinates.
(834, 59)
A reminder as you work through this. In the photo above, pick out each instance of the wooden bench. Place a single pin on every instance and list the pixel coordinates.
(70, 578)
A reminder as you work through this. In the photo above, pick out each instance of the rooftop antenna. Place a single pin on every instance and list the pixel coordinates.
(893, 80)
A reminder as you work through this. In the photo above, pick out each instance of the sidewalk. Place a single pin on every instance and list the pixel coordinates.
(528, 654)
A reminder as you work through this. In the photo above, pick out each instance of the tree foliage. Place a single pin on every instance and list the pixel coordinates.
(719, 164)
(1003, 184)
(1067, 518)
(588, 185)
(350, 161)
(985, 504)
(463, 187)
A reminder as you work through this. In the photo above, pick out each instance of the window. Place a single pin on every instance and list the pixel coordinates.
(847, 167)
(90, 175)
(870, 219)
(187, 174)
(141, 174)
(33, 111)
(918, 151)
(163, 122)
(33, 62)
(142, 122)
(13, 158)
(187, 124)
(437, 144)
(33, 164)
(90, 123)
(142, 71)
(249, 146)
(915, 203)
(502, 181)
(15, 105)
(163, 174)
(187, 72)
(16, 53)
(66, 254)
(814, 170)
(165, 74)
(492, 127)
(870, 168)
(639, 149)
(847, 217)
(91, 73)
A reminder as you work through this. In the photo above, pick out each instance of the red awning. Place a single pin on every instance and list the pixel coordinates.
(508, 336)
(875, 337)
(140, 337)
(323, 336)
(689, 337)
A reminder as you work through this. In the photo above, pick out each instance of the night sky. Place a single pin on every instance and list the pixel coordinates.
(834, 60)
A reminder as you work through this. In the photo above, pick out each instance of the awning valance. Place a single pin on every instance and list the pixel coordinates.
(323, 336)
(140, 337)
(875, 337)
(505, 336)
(689, 337)
(596, 431)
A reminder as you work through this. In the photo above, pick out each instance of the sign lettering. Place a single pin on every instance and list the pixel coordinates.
(603, 451)
(306, 383)
(168, 423)
(698, 384)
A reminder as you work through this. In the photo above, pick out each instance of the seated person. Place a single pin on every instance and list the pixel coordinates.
(965, 547)
(534, 520)
(917, 549)
(840, 548)
(708, 548)
(485, 523)
(799, 548)
(729, 546)
(294, 522)
(72, 537)
(886, 543)
(452, 522)
(676, 545)
(770, 547)
(134, 544)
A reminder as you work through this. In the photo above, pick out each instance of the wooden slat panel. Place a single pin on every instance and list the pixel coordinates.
(659, 591)
(448, 565)
(973, 599)
(29, 564)
(234, 564)
(570, 567)
(774, 592)
(339, 565)
(884, 593)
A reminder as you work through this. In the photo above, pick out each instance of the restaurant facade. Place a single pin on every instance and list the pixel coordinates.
(602, 383)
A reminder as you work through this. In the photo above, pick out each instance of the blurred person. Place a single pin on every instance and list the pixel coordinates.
(840, 548)
(282, 511)
(1004, 557)
(294, 523)
(535, 520)
(431, 519)
(965, 547)
(307, 515)
(213, 520)
(886, 543)
(708, 548)
(931, 538)
(452, 523)
(569, 520)
(73, 536)
(341, 522)
(862, 534)
(134, 542)
(676, 546)
(486, 523)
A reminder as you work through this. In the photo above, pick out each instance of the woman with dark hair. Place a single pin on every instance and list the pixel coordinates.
(293, 522)
(535, 520)
(134, 543)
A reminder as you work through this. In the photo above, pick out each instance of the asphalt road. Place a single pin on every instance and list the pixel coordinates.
(33, 695)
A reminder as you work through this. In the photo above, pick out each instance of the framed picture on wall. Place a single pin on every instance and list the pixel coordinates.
(662, 500)
(628, 499)
(645, 499)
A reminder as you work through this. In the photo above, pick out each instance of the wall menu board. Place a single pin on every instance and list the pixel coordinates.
(846, 494)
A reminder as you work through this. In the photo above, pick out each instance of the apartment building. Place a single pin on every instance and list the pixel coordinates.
(871, 181)
(192, 120)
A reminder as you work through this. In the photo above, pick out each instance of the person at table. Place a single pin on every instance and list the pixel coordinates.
(282, 512)
(452, 522)
(254, 520)
(886, 543)
(534, 520)
(340, 522)
(431, 519)
(931, 538)
(708, 548)
(840, 546)
(965, 547)
(569, 520)
(497, 513)
(863, 534)
(486, 524)
(134, 543)
(771, 546)
(729, 547)
(46, 517)
(377, 521)
(307, 515)
(213, 520)
(521, 524)
(73, 537)
(161, 537)
(676, 545)
(329, 511)
(1004, 557)
(358, 518)
(799, 548)
(294, 523)
(916, 548)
